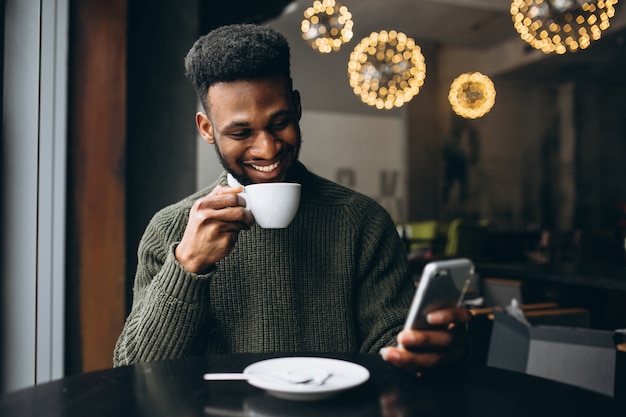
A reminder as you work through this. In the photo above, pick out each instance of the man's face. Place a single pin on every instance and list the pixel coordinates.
(254, 126)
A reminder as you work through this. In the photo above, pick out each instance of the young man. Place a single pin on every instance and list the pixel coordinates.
(211, 281)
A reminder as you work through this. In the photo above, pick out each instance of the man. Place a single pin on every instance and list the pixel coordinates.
(210, 281)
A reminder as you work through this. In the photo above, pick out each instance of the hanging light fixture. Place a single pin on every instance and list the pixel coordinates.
(386, 69)
(327, 25)
(561, 25)
(472, 95)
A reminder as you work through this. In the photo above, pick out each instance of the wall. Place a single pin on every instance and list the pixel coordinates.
(367, 156)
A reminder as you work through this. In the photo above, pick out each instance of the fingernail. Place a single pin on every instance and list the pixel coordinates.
(429, 318)
(389, 354)
(408, 337)
(384, 352)
(433, 318)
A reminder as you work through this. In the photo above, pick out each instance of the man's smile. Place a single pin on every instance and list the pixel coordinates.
(266, 168)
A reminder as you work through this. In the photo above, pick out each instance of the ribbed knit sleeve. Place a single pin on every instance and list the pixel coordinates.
(385, 289)
(169, 303)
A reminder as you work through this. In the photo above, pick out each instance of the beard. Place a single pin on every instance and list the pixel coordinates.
(246, 180)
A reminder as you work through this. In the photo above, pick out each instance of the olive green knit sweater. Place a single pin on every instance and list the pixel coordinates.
(335, 280)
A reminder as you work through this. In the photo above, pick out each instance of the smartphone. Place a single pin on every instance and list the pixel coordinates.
(442, 284)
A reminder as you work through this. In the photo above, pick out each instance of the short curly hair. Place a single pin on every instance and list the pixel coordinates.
(237, 52)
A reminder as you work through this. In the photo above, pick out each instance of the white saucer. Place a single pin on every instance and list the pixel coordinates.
(342, 375)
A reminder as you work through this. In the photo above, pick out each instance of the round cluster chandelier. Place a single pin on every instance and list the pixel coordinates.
(386, 69)
(561, 25)
(472, 95)
(327, 25)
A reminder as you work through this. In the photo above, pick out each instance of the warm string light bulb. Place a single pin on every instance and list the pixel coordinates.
(472, 95)
(327, 25)
(386, 69)
(561, 25)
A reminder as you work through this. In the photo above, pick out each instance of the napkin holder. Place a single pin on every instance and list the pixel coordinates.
(577, 356)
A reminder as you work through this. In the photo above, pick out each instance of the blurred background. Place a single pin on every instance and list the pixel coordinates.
(98, 134)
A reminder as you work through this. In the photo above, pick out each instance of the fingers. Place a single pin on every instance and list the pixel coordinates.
(221, 197)
(226, 205)
(223, 189)
(445, 343)
(443, 317)
(422, 361)
(426, 350)
(433, 340)
(411, 361)
(213, 229)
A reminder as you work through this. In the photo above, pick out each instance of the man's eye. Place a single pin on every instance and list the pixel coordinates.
(241, 134)
(280, 125)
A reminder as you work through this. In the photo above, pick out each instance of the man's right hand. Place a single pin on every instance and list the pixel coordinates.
(213, 228)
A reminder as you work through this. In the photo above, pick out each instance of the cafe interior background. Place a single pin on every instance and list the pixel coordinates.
(98, 134)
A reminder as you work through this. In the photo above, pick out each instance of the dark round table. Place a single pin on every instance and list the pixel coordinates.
(176, 389)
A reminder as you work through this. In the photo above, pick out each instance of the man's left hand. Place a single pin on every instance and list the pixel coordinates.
(440, 346)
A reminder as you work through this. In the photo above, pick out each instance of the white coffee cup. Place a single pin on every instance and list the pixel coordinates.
(273, 204)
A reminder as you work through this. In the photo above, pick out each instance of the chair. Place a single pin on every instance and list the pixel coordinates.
(466, 238)
(425, 236)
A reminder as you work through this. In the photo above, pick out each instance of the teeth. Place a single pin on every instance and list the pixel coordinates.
(268, 168)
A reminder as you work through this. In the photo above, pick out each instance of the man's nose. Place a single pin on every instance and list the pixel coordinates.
(266, 145)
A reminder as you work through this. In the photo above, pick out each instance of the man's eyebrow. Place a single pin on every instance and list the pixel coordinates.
(281, 113)
(273, 116)
(236, 124)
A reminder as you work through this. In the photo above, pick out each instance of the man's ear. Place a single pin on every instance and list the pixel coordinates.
(205, 128)
(295, 96)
